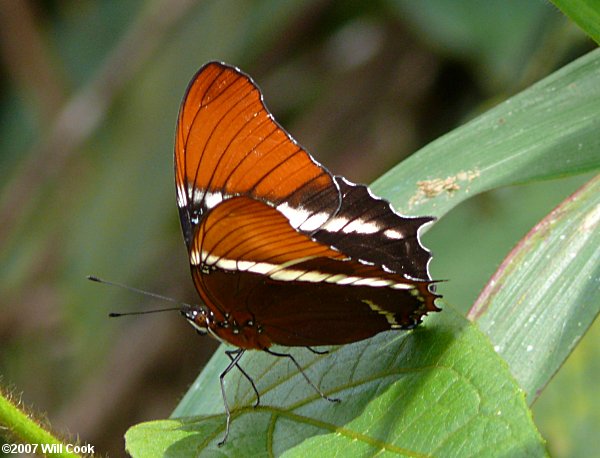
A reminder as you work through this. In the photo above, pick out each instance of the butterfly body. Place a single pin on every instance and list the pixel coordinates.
(237, 329)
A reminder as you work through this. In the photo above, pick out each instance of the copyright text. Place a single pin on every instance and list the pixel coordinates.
(47, 448)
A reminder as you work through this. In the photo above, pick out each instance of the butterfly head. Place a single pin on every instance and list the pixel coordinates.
(199, 317)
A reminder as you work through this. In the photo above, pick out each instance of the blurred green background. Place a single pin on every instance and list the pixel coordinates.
(89, 93)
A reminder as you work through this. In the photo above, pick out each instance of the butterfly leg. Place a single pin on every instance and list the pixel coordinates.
(232, 354)
(235, 356)
(318, 352)
(287, 355)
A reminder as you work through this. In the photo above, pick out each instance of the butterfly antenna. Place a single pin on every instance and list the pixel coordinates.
(139, 291)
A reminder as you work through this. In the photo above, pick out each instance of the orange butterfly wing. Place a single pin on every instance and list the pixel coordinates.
(228, 144)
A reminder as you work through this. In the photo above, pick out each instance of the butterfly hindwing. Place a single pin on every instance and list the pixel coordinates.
(252, 266)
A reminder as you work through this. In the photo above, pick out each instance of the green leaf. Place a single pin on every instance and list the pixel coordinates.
(585, 13)
(548, 130)
(546, 293)
(438, 390)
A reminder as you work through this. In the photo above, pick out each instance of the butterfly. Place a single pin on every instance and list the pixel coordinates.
(281, 251)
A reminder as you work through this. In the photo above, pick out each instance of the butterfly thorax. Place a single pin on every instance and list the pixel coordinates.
(239, 329)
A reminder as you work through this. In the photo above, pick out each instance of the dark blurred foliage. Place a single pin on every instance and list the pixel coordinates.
(89, 93)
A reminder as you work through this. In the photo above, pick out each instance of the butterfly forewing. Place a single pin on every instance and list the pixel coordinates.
(228, 144)
(366, 227)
